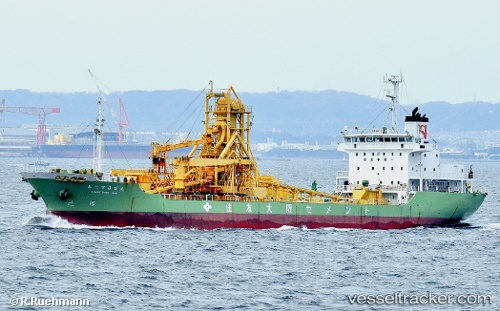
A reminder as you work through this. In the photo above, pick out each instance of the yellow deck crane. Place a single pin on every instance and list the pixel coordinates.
(220, 165)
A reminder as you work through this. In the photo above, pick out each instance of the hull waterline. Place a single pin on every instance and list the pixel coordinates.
(202, 222)
(97, 203)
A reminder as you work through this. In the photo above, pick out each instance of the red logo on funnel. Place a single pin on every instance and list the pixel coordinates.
(423, 129)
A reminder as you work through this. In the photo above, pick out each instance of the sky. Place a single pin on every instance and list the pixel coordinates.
(446, 50)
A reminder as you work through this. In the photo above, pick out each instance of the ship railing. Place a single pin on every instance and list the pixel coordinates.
(385, 188)
(435, 175)
(445, 171)
(34, 168)
(308, 198)
(207, 197)
(368, 131)
(342, 174)
(391, 188)
(173, 196)
(344, 188)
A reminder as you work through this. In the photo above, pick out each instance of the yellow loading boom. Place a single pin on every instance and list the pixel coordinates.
(220, 165)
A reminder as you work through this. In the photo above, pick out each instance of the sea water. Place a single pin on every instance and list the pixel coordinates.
(47, 261)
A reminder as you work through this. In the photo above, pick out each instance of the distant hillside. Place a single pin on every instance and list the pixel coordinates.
(294, 116)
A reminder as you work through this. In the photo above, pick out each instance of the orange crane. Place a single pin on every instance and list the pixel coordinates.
(118, 119)
(42, 112)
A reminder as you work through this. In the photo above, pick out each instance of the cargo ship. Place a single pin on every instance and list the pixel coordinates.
(64, 145)
(112, 151)
(395, 181)
(14, 147)
(81, 146)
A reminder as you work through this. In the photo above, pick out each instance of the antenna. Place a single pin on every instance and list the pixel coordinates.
(395, 80)
(99, 144)
(122, 111)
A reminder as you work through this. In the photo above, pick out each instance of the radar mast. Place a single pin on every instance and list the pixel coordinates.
(395, 80)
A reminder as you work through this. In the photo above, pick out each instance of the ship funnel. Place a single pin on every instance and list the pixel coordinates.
(417, 125)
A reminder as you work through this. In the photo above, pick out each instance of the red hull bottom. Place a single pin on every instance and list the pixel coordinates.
(217, 221)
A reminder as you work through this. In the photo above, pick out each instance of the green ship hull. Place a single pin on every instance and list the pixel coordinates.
(101, 203)
(218, 185)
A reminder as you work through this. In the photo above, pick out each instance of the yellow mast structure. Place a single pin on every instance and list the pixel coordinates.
(221, 165)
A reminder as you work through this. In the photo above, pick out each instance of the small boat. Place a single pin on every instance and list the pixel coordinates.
(395, 181)
(39, 163)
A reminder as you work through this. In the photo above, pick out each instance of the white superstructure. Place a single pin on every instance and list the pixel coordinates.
(400, 161)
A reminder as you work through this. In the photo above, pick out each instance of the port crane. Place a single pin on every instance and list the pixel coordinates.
(122, 111)
(41, 112)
